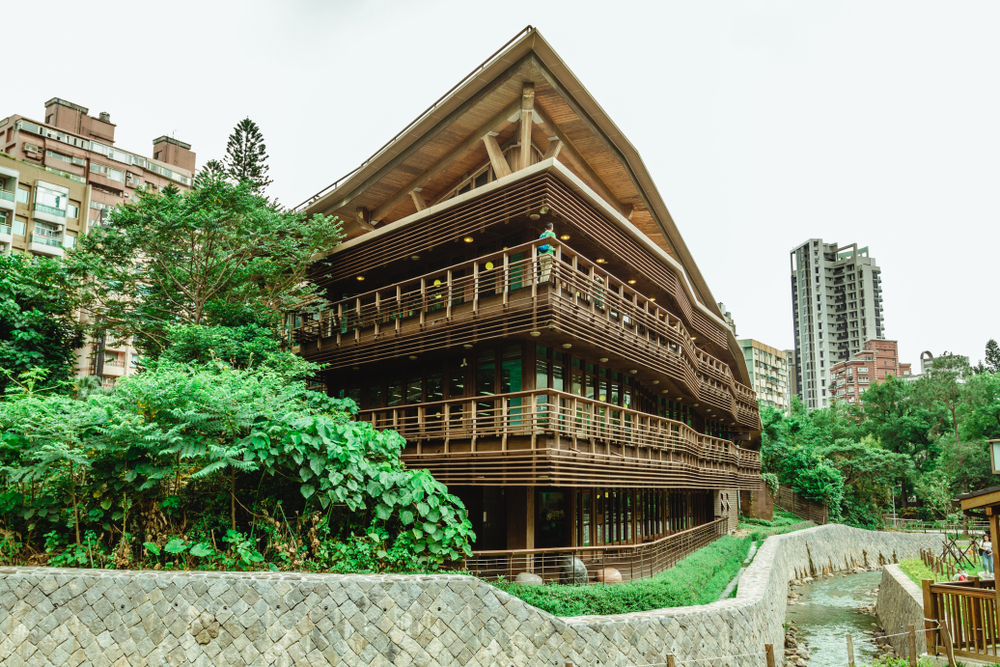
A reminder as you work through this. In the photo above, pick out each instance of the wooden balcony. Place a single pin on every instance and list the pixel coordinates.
(555, 438)
(961, 618)
(517, 292)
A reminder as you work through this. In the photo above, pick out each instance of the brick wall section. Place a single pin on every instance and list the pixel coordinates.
(900, 604)
(59, 617)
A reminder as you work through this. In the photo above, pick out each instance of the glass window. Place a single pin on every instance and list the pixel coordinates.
(456, 382)
(435, 387)
(415, 390)
(73, 211)
(22, 196)
(69, 241)
(51, 198)
(19, 227)
(395, 394)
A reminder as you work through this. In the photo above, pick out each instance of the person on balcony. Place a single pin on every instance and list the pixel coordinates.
(546, 253)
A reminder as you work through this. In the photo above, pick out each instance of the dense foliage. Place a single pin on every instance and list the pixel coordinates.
(39, 323)
(218, 255)
(246, 156)
(920, 441)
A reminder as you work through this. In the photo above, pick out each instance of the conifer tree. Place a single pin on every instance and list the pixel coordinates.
(246, 156)
(213, 170)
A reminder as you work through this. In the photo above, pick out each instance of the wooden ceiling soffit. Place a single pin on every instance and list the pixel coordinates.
(423, 139)
(569, 149)
(446, 159)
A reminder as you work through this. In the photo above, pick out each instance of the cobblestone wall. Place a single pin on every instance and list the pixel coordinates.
(52, 617)
(900, 604)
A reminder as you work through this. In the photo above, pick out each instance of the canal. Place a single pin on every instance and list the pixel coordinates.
(829, 611)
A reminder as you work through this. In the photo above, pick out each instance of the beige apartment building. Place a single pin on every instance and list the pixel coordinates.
(59, 177)
(878, 360)
(768, 368)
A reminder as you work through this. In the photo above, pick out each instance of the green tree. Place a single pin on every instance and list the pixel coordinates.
(942, 385)
(992, 363)
(218, 255)
(213, 170)
(39, 322)
(246, 156)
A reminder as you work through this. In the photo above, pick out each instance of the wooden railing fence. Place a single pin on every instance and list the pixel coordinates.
(965, 612)
(803, 508)
(633, 561)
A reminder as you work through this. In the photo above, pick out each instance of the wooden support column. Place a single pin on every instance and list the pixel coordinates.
(418, 199)
(524, 134)
(364, 218)
(499, 162)
(555, 147)
(520, 517)
(571, 517)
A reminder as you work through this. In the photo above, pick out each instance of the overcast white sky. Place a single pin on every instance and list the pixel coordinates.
(762, 123)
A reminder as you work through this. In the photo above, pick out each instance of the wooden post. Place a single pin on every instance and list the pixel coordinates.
(769, 652)
(911, 640)
(930, 616)
(949, 650)
(850, 651)
(670, 660)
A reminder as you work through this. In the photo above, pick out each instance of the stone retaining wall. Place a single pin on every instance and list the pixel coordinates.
(56, 617)
(900, 604)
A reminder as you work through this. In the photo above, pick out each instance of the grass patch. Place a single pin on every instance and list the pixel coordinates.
(698, 579)
(915, 569)
(779, 518)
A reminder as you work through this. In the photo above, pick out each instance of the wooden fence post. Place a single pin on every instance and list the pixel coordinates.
(949, 650)
(850, 651)
(670, 660)
(912, 641)
(769, 652)
(930, 616)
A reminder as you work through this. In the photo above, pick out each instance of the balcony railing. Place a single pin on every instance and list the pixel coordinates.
(502, 293)
(5, 229)
(46, 240)
(6, 194)
(969, 611)
(591, 439)
(51, 210)
(633, 561)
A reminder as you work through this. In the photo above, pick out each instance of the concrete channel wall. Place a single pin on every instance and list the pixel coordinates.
(58, 617)
(900, 604)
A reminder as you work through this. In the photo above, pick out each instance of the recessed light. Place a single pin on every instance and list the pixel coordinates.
(566, 346)
(536, 334)
(603, 360)
(564, 237)
(601, 260)
(665, 391)
(695, 405)
(468, 239)
(634, 371)
(632, 281)
(652, 298)
(656, 382)
(468, 346)
(534, 216)
(413, 357)
(361, 277)
(415, 257)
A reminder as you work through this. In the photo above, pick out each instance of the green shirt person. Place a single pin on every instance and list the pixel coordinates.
(548, 248)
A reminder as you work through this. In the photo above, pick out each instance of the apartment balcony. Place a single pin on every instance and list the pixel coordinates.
(547, 437)
(49, 214)
(7, 200)
(6, 235)
(46, 245)
(517, 293)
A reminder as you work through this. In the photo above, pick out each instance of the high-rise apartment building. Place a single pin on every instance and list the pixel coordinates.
(768, 368)
(836, 307)
(793, 386)
(59, 177)
(878, 360)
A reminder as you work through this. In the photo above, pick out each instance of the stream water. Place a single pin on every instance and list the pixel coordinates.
(830, 612)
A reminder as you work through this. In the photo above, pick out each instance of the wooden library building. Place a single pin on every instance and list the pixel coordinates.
(514, 298)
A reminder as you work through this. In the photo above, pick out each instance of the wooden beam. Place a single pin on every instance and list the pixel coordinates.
(445, 160)
(527, 104)
(418, 199)
(588, 172)
(555, 147)
(628, 210)
(499, 162)
(364, 218)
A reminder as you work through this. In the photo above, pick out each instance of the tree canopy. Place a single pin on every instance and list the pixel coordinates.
(246, 156)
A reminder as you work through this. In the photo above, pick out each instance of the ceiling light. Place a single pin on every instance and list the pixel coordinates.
(468, 239)
(468, 346)
(634, 371)
(564, 237)
(534, 216)
(543, 210)
(695, 405)
(653, 298)
(603, 360)
(656, 382)
(633, 281)
(665, 391)
(566, 346)
(601, 260)
(415, 257)
(536, 334)
(361, 277)
(413, 357)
